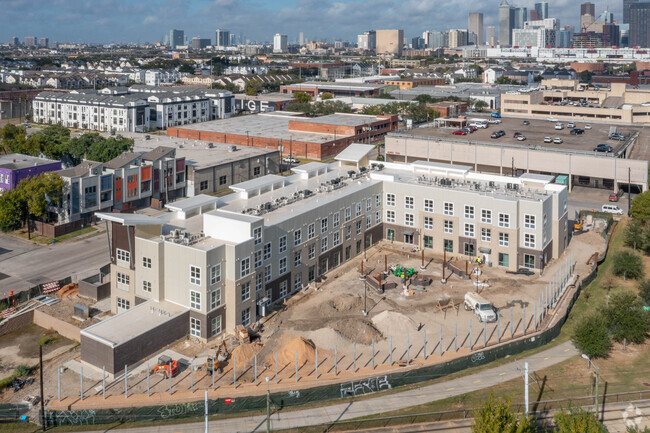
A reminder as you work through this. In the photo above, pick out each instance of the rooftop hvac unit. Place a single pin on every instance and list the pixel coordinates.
(515, 186)
(232, 148)
(509, 186)
(210, 145)
(491, 184)
(81, 312)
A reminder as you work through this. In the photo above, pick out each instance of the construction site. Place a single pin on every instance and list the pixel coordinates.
(386, 311)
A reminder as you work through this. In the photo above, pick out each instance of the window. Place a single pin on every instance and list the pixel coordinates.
(449, 226)
(245, 291)
(257, 235)
(529, 240)
(428, 205)
(469, 230)
(267, 273)
(122, 255)
(358, 247)
(282, 265)
(146, 262)
(449, 245)
(486, 235)
(504, 239)
(223, 180)
(203, 185)
(195, 327)
(368, 204)
(216, 326)
(390, 199)
(297, 237)
(428, 241)
(311, 275)
(390, 235)
(358, 210)
(215, 273)
(378, 200)
(368, 221)
(195, 275)
(448, 208)
(245, 267)
(195, 300)
(469, 212)
(529, 221)
(311, 231)
(268, 295)
(408, 219)
(323, 225)
(428, 223)
(504, 260)
(390, 216)
(486, 216)
(312, 251)
(257, 258)
(297, 282)
(283, 289)
(123, 304)
(246, 317)
(529, 261)
(323, 245)
(257, 171)
(336, 238)
(123, 279)
(358, 227)
(259, 281)
(336, 219)
(146, 286)
(469, 249)
(504, 220)
(408, 202)
(297, 258)
(348, 214)
(267, 251)
(215, 298)
(282, 245)
(348, 232)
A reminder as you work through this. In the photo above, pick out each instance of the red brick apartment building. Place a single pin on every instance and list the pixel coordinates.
(313, 138)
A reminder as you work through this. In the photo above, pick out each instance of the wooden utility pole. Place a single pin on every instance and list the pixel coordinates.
(40, 358)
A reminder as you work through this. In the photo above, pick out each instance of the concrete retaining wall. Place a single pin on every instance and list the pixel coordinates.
(16, 323)
(65, 329)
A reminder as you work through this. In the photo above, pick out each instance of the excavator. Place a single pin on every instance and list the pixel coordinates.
(164, 364)
(215, 363)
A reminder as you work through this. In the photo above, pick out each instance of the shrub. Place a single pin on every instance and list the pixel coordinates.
(644, 291)
(591, 336)
(496, 417)
(628, 265)
(577, 420)
(633, 234)
(23, 370)
(625, 317)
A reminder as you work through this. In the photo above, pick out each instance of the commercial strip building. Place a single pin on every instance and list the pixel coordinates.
(560, 55)
(616, 104)
(410, 83)
(338, 89)
(262, 103)
(15, 167)
(291, 133)
(214, 263)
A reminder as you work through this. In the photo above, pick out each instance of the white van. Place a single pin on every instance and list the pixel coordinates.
(559, 125)
(610, 208)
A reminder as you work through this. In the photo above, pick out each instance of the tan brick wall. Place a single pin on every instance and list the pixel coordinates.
(16, 323)
(65, 329)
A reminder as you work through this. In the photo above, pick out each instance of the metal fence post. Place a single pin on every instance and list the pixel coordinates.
(440, 345)
(391, 350)
(456, 337)
(524, 319)
(354, 361)
(484, 334)
(126, 383)
(81, 377)
(498, 328)
(408, 348)
(470, 333)
(512, 331)
(276, 367)
(373, 353)
(535, 318)
(255, 371)
(104, 382)
(213, 362)
(58, 371)
(192, 376)
(336, 361)
(316, 363)
(296, 366)
(424, 346)
(170, 378)
(234, 371)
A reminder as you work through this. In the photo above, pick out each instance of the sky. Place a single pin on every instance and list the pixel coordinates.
(149, 20)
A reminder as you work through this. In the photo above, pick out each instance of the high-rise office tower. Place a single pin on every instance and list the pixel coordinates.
(639, 33)
(534, 15)
(301, 39)
(506, 23)
(626, 10)
(222, 38)
(176, 38)
(31, 41)
(491, 35)
(587, 16)
(588, 8)
(15, 41)
(280, 44)
(521, 16)
(476, 26)
(542, 10)
(44, 43)
(457, 38)
(390, 42)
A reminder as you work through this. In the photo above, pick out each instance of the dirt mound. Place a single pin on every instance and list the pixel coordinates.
(394, 323)
(246, 352)
(306, 351)
(359, 330)
(68, 290)
(328, 338)
(347, 303)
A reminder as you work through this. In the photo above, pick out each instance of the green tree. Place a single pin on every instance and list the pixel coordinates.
(626, 318)
(301, 97)
(644, 291)
(633, 234)
(591, 336)
(640, 207)
(253, 87)
(496, 416)
(577, 420)
(325, 96)
(186, 68)
(480, 106)
(585, 76)
(105, 149)
(628, 265)
(11, 211)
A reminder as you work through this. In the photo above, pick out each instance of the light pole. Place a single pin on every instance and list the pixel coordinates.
(365, 298)
(590, 362)
(268, 406)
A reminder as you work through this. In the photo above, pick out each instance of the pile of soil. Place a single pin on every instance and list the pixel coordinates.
(328, 338)
(359, 330)
(306, 351)
(394, 323)
(246, 352)
(346, 303)
(68, 290)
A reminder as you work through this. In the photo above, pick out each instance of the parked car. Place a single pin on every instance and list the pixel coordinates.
(571, 125)
(577, 131)
(472, 128)
(494, 120)
(478, 125)
(604, 148)
(460, 132)
(517, 134)
(480, 306)
(610, 208)
(559, 125)
(557, 140)
(526, 122)
(548, 140)
(290, 160)
(521, 137)
(616, 136)
(615, 195)
(497, 115)
(588, 126)
(498, 134)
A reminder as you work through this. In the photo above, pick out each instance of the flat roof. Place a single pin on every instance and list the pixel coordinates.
(338, 85)
(274, 97)
(310, 167)
(192, 203)
(127, 325)
(258, 183)
(128, 219)
(355, 152)
(17, 161)
(342, 119)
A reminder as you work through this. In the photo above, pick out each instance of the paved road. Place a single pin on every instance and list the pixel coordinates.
(380, 404)
(25, 264)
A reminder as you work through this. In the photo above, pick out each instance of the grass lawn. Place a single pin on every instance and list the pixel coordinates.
(44, 240)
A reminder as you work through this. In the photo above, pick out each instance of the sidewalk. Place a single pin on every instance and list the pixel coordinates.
(380, 404)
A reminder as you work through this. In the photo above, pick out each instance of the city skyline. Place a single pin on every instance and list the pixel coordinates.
(120, 21)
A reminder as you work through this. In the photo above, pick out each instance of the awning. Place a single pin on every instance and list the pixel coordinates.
(484, 250)
(407, 233)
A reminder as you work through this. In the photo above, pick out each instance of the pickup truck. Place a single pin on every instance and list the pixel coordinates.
(481, 307)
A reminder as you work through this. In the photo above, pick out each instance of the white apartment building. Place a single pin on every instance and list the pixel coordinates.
(173, 109)
(157, 77)
(280, 44)
(534, 37)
